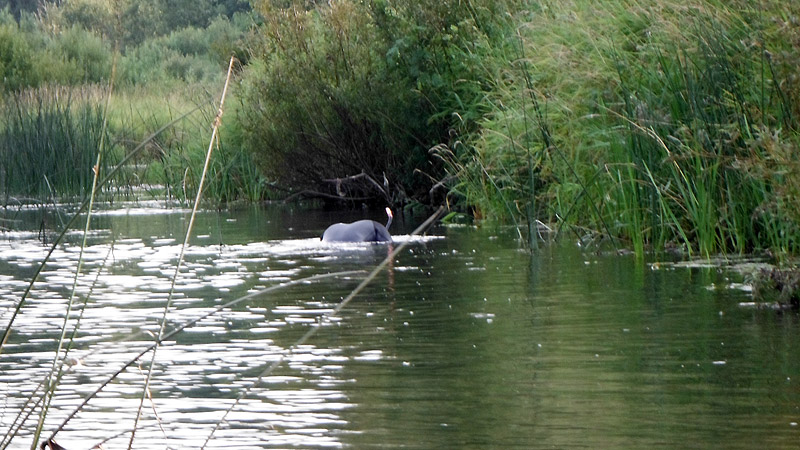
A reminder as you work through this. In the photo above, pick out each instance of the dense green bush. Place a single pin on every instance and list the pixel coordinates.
(17, 67)
(346, 98)
(83, 51)
(317, 101)
(131, 22)
(156, 64)
(6, 17)
(29, 57)
(92, 15)
(186, 55)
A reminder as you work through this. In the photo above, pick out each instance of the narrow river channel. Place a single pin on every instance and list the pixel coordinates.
(466, 341)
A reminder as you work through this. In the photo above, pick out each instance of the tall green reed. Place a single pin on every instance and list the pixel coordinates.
(48, 142)
(664, 127)
(169, 165)
(694, 117)
(233, 174)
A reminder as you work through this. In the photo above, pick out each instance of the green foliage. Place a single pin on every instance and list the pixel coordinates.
(85, 53)
(49, 139)
(30, 58)
(15, 9)
(232, 174)
(674, 127)
(157, 64)
(93, 15)
(661, 124)
(344, 88)
(130, 23)
(188, 55)
(699, 119)
(6, 18)
(16, 59)
(172, 162)
(319, 104)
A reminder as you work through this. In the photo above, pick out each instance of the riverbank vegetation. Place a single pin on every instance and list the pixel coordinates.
(659, 124)
(56, 65)
(653, 124)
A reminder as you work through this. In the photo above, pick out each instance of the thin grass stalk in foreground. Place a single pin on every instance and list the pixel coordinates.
(313, 329)
(549, 144)
(70, 222)
(81, 208)
(49, 385)
(501, 195)
(191, 323)
(214, 131)
(530, 207)
(22, 417)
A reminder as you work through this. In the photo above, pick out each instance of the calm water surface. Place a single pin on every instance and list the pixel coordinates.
(466, 341)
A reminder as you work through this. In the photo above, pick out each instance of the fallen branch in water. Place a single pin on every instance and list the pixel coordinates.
(355, 178)
(317, 194)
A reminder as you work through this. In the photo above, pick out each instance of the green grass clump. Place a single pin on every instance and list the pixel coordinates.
(169, 165)
(49, 141)
(49, 138)
(663, 124)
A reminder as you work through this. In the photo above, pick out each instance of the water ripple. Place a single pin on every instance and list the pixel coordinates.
(199, 373)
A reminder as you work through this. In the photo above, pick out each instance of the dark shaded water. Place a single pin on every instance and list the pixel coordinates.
(467, 341)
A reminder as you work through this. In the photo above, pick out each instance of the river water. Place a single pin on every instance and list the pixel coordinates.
(465, 341)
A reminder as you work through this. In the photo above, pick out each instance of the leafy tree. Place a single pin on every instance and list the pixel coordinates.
(93, 15)
(17, 7)
(141, 20)
(86, 52)
(228, 8)
(183, 13)
(16, 59)
(340, 88)
(319, 104)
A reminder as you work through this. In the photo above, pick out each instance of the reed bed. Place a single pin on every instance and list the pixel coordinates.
(665, 125)
(48, 142)
(49, 137)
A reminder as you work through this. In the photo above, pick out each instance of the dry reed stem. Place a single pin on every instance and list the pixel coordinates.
(313, 329)
(217, 123)
(189, 324)
(49, 385)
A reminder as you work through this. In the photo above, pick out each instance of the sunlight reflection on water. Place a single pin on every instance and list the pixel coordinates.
(199, 373)
(463, 342)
